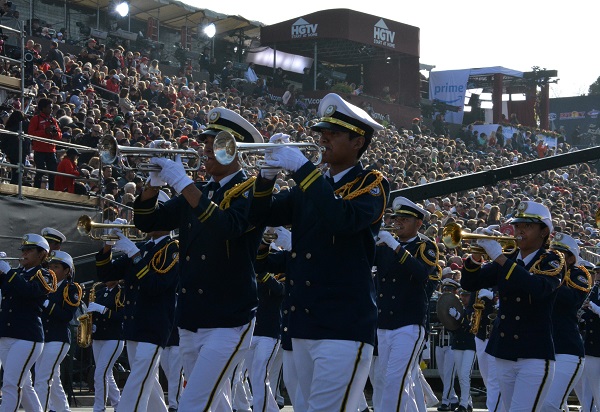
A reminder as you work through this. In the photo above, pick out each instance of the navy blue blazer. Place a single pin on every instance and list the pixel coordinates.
(592, 325)
(57, 316)
(109, 325)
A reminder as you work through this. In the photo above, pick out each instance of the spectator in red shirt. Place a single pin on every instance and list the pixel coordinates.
(67, 165)
(542, 149)
(44, 125)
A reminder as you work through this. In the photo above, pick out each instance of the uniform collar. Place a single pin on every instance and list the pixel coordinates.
(527, 260)
(226, 179)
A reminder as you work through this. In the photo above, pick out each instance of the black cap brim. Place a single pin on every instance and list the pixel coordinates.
(329, 126)
(525, 220)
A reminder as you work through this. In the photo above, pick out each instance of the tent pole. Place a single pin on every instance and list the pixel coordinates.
(315, 70)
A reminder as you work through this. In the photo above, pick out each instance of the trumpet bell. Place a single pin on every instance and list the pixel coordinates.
(98, 231)
(453, 235)
(225, 148)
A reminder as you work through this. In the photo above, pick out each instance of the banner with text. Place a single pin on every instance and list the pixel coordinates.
(449, 86)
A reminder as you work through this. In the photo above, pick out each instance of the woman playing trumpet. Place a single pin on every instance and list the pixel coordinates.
(527, 281)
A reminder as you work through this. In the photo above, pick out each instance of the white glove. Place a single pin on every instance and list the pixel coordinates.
(4, 266)
(454, 313)
(95, 307)
(284, 238)
(173, 173)
(387, 238)
(2, 255)
(124, 244)
(46, 303)
(486, 293)
(279, 138)
(155, 180)
(492, 248)
(594, 308)
(270, 173)
(491, 230)
(287, 158)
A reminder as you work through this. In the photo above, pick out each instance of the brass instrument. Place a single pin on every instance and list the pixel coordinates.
(86, 227)
(453, 235)
(227, 149)
(478, 307)
(492, 317)
(109, 152)
(84, 328)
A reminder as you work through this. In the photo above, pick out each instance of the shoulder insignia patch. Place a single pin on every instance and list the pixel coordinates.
(246, 194)
(554, 263)
(431, 253)
(582, 279)
(175, 255)
(375, 191)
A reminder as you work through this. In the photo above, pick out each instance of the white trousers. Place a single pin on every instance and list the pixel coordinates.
(590, 384)
(463, 363)
(209, 358)
(259, 361)
(445, 364)
(524, 383)
(17, 357)
(373, 373)
(290, 379)
(170, 361)
(398, 353)
(332, 373)
(567, 372)
(142, 391)
(276, 376)
(47, 377)
(106, 353)
(241, 396)
(489, 374)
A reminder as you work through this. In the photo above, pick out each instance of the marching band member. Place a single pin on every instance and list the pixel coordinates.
(445, 357)
(59, 308)
(108, 342)
(527, 281)
(486, 362)
(333, 315)
(462, 343)
(150, 273)
(54, 237)
(170, 362)
(404, 267)
(24, 291)
(591, 312)
(568, 344)
(217, 303)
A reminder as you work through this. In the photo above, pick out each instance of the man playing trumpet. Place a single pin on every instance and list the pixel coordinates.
(527, 281)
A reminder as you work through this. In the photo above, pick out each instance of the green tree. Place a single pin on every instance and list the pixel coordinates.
(595, 87)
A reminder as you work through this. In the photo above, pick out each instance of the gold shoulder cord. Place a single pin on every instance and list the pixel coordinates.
(118, 302)
(347, 194)
(574, 285)
(535, 269)
(67, 298)
(422, 249)
(45, 285)
(159, 260)
(235, 191)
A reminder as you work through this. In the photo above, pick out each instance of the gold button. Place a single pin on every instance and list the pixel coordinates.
(187, 258)
(285, 312)
(379, 311)
(393, 297)
(183, 290)
(10, 311)
(501, 334)
(393, 280)
(502, 316)
(293, 308)
(203, 257)
(306, 310)
(293, 254)
(308, 255)
(125, 317)
(381, 295)
(518, 299)
(517, 318)
(516, 336)
(308, 283)
(189, 225)
(291, 282)
(131, 287)
(285, 329)
(128, 302)
(200, 291)
(383, 279)
(391, 312)
(8, 324)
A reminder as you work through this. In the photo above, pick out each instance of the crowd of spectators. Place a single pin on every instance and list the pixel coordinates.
(113, 91)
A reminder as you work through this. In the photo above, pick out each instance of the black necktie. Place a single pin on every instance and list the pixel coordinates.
(148, 247)
(520, 262)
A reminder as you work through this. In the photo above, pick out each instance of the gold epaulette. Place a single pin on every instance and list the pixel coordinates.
(119, 303)
(235, 191)
(40, 276)
(426, 259)
(348, 192)
(78, 295)
(536, 270)
(589, 280)
(436, 274)
(159, 261)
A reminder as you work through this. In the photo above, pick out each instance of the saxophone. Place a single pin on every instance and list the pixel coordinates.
(84, 328)
(478, 307)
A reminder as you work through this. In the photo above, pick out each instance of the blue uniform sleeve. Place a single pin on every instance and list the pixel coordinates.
(59, 309)
(32, 285)
(158, 275)
(545, 276)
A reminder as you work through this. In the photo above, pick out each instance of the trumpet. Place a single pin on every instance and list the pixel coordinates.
(453, 235)
(227, 149)
(109, 151)
(86, 227)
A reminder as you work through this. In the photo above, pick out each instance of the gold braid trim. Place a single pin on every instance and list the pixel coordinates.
(437, 274)
(159, 260)
(235, 191)
(574, 285)
(118, 302)
(67, 298)
(347, 194)
(49, 288)
(535, 269)
(425, 259)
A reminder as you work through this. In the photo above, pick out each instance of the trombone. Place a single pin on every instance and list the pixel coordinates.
(453, 235)
(109, 151)
(227, 149)
(87, 227)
